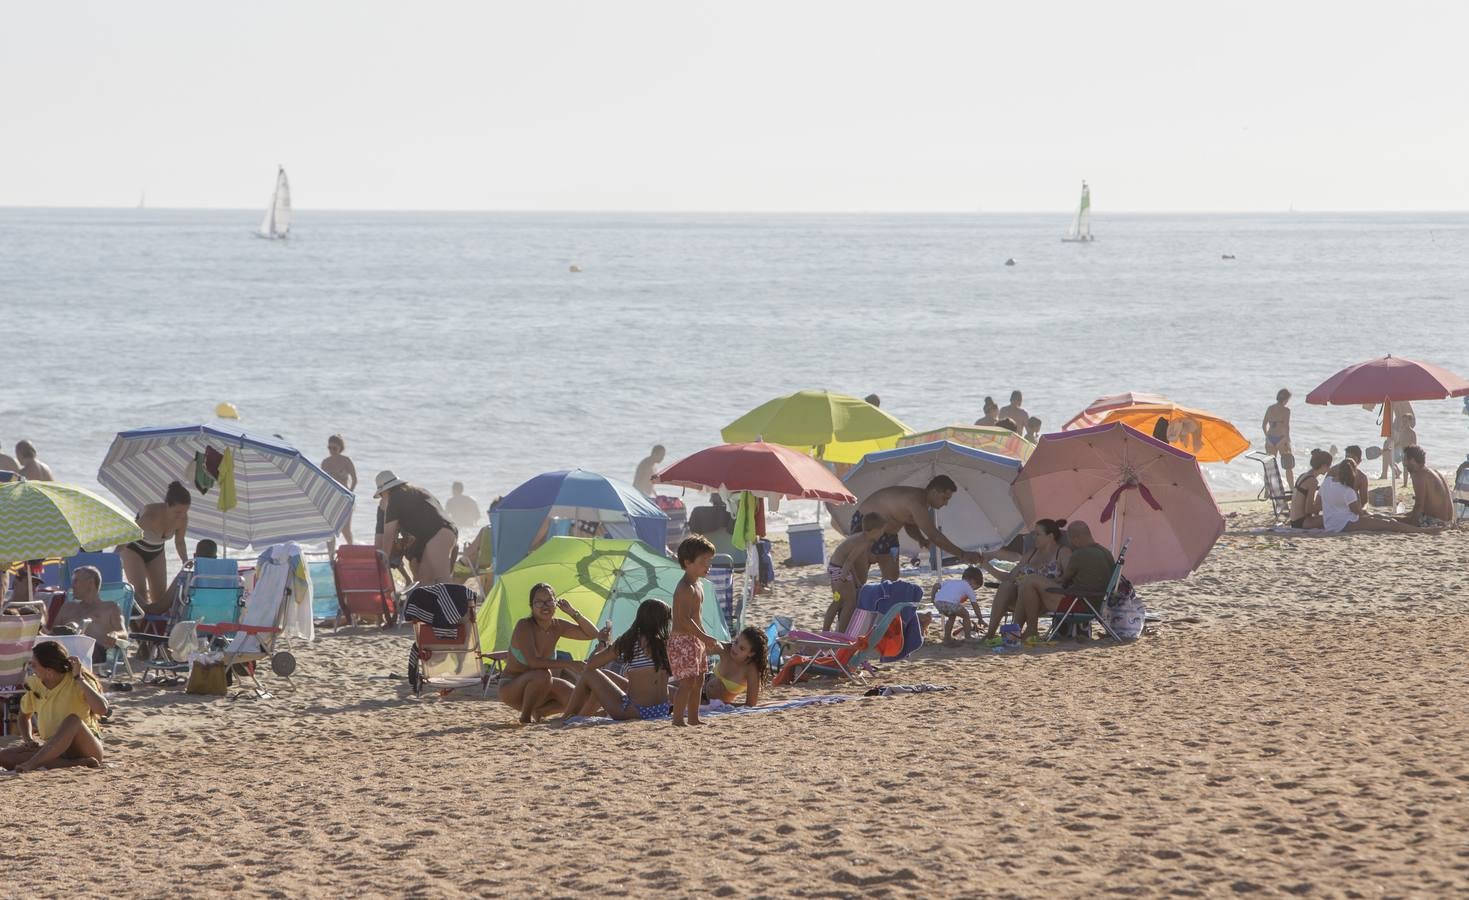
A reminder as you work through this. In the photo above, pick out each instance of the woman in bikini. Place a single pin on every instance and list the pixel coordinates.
(741, 669)
(143, 560)
(1037, 570)
(641, 691)
(529, 685)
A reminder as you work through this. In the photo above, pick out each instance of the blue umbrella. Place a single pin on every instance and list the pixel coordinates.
(280, 494)
(575, 494)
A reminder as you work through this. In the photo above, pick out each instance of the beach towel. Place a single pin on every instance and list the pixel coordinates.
(718, 708)
(440, 606)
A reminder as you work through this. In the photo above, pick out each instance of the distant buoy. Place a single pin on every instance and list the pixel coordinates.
(1010, 261)
(575, 267)
(1227, 256)
(227, 411)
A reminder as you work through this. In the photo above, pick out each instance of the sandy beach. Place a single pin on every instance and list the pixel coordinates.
(1292, 726)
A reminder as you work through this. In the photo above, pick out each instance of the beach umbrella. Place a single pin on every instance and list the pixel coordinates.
(1388, 381)
(45, 519)
(981, 515)
(992, 438)
(833, 427)
(1097, 410)
(1126, 486)
(1209, 438)
(265, 491)
(605, 580)
(573, 494)
(766, 470)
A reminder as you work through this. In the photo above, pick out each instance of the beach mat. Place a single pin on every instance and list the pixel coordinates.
(727, 709)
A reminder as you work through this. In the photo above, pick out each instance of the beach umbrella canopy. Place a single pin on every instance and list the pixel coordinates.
(1209, 438)
(44, 519)
(833, 427)
(605, 580)
(765, 470)
(981, 515)
(272, 495)
(573, 494)
(1388, 379)
(1097, 410)
(981, 437)
(1125, 485)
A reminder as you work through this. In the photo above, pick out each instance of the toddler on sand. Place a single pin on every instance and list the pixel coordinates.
(951, 596)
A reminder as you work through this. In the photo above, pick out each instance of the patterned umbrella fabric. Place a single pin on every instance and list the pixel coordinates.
(1125, 485)
(44, 519)
(279, 494)
(1097, 410)
(833, 427)
(990, 438)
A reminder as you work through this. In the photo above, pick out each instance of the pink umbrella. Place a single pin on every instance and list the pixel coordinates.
(766, 470)
(1098, 409)
(1387, 380)
(1126, 486)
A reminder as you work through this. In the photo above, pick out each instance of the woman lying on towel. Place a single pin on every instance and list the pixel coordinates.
(641, 692)
(741, 670)
(67, 704)
(529, 684)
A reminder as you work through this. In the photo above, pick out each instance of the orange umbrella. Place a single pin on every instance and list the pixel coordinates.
(1208, 437)
(1097, 410)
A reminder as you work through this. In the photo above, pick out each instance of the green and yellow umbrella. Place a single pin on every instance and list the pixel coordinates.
(43, 520)
(832, 427)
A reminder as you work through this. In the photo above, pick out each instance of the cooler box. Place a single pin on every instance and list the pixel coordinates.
(807, 546)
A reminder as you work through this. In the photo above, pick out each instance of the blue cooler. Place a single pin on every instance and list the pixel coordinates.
(808, 548)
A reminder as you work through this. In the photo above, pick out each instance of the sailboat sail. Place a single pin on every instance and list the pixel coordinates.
(277, 221)
(1081, 223)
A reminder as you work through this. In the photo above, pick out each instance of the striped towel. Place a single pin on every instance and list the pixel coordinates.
(440, 606)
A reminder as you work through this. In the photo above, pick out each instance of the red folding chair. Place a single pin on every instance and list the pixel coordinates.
(364, 585)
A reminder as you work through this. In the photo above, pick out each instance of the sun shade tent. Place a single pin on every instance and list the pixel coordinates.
(572, 494)
(982, 515)
(1125, 485)
(833, 427)
(280, 494)
(606, 580)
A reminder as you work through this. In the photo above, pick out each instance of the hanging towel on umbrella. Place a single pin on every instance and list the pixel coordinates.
(744, 525)
(226, 473)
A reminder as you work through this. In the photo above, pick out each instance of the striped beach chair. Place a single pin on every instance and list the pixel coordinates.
(17, 637)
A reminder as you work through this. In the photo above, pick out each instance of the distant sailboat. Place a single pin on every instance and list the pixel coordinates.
(1081, 225)
(277, 221)
(143, 200)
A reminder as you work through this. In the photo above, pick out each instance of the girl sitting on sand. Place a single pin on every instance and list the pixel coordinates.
(742, 668)
(641, 691)
(67, 704)
(528, 684)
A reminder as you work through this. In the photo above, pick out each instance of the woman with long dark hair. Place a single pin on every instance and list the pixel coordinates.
(641, 692)
(529, 684)
(66, 702)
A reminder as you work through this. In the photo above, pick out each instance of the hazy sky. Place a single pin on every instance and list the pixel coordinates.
(792, 105)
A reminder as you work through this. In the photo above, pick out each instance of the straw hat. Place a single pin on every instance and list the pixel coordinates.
(386, 481)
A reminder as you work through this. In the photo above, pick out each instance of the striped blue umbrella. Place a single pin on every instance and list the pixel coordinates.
(282, 496)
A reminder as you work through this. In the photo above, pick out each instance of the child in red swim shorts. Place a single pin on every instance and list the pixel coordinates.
(689, 644)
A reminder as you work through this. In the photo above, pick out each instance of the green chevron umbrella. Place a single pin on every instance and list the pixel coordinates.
(43, 519)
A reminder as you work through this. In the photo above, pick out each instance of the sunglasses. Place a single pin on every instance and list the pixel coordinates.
(544, 601)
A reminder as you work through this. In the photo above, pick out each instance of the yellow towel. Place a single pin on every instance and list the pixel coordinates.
(226, 482)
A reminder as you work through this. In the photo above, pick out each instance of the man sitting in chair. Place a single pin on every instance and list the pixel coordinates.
(87, 613)
(1087, 573)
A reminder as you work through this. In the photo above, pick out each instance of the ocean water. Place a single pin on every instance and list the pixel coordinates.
(452, 346)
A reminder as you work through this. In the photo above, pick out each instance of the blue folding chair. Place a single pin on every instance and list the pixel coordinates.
(114, 590)
(214, 592)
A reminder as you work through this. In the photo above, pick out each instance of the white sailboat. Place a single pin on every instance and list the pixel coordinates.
(1081, 225)
(277, 221)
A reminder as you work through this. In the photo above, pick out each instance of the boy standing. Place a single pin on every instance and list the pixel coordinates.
(848, 568)
(689, 644)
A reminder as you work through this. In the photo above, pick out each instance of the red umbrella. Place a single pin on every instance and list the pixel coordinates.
(1385, 380)
(766, 470)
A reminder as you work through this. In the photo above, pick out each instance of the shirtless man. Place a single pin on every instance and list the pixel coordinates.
(642, 478)
(1403, 436)
(1014, 412)
(1276, 426)
(1433, 502)
(909, 509)
(339, 466)
(1354, 453)
(31, 467)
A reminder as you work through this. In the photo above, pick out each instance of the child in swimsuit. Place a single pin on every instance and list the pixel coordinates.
(689, 644)
(951, 596)
(742, 668)
(848, 567)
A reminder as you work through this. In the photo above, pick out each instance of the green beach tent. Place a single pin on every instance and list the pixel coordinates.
(606, 580)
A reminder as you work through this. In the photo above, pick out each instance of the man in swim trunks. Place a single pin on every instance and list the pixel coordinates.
(1276, 426)
(1433, 502)
(910, 509)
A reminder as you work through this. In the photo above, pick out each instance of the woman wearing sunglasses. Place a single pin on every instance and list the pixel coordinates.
(530, 684)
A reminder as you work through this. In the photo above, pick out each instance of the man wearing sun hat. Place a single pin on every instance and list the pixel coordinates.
(413, 513)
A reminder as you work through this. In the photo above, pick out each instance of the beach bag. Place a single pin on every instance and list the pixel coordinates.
(207, 678)
(1125, 612)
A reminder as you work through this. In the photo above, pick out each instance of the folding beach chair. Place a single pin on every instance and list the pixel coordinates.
(17, 637)
(1274, 490)
(446, 651)
(1461, 493)
(364, 584)
(210, 596)
(325, 606)
(848, 653)
(114, 590)
(1081, 608)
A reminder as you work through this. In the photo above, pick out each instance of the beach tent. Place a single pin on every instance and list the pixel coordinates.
(606, 580)
(573, 495)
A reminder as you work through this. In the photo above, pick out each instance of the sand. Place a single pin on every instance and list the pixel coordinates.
(1295, 725)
